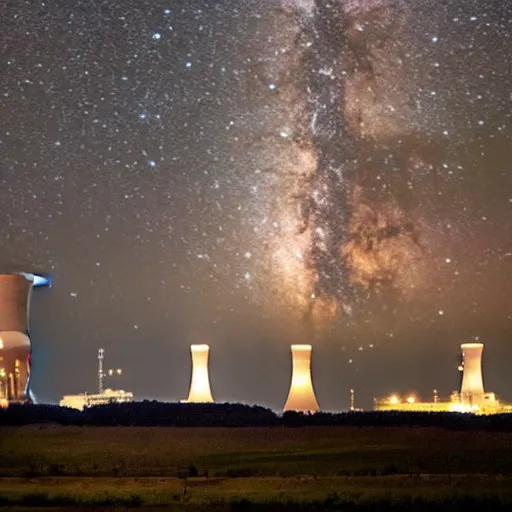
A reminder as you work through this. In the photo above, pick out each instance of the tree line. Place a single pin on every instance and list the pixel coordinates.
(153, 413)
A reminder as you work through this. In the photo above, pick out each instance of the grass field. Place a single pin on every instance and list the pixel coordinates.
(321, 467)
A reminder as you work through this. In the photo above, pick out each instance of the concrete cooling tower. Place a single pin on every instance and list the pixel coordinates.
(301, 397)
(472, 387)
(200, 382)
(15, 345)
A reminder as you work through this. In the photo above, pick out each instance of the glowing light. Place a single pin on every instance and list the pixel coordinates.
(200, 383)
(41, 281)
(393, 399)
(472, 387)
(411, 400)
(301, 396)
(38, 280)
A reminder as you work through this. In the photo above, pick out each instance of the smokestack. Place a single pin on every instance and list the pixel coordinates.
(301, 397)
(200, 382)
(15, 345)
(472, 387)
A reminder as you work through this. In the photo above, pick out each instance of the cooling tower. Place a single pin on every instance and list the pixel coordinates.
(200, 382)
(472, 387)
(15, 346)
(301, 397)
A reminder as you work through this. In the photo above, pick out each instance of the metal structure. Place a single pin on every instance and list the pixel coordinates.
(102, 373)
(200, 382)
(301, 397)
(15, 344)
(100, 370)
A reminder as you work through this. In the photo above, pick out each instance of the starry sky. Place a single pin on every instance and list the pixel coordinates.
(251, 174)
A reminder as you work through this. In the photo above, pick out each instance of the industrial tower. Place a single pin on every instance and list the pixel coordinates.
(472, 387)
(301, 397)
(200, 382)
(101, 353)
(15, 344)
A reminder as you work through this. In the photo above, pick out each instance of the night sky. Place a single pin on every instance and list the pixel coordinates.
(251, 174)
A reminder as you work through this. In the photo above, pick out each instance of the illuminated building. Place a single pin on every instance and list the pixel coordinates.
(15, 344)
(83, 400)
(301, 397)
(199, 382)
(107, 396)
(411, 404)
(471, 399)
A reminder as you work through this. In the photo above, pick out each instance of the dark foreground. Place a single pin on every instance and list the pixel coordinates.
(311, 468)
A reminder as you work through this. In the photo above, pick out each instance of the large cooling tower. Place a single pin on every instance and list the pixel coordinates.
(472, 387)
(301, 397)
(15, 346)
(200, 382)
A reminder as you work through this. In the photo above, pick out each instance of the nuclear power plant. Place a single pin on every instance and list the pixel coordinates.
(15, 343)
(199, 382)
(470, 398)
(15, 351)
(301, 397)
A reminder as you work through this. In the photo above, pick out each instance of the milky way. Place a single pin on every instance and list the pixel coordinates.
(340, 77)
(362, 151)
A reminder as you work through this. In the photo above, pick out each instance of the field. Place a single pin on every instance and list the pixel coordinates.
(278, 468)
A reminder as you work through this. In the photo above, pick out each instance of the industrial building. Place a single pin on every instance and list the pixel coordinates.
(83, 400)
(471, 398)
(200, 391)
(104, 396)
(15, 343)
(301, 397)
